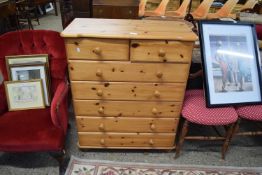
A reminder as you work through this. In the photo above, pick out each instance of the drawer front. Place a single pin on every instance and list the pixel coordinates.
(102, 140)
(126, 108)
(126, 124)
(128, 91)
(122, 71)
(97, 49)
(161, 51)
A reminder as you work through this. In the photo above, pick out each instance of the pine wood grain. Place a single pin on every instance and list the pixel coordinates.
(125, 71)
(124, 140)
(126, 124)
(127, 108)
(129, 29)
(128, 91)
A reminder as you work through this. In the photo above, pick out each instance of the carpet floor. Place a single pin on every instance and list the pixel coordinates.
(88, 167)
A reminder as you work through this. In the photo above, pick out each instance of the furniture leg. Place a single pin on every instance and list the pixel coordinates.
(182, 138)
(229, 134)
(54, 3)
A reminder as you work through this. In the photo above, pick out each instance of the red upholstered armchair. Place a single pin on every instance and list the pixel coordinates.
(37, 129)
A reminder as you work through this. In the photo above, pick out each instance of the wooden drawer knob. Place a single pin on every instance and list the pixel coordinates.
(151, 142)
(161, 53)
(102, 141)
(157, 94)
(152, 126)
(99, 92)
(101, 110)
(101, 127)
(154, 111)
(159, 74)
(99, 73)
(97, 50)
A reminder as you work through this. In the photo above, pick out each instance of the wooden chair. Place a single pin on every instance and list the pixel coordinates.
(202, 10)
(159, 11)
(23, 14)
(142, 7)
(225, 10)
(252, 113)
(180, 12)
(194, 111)
(248, 6)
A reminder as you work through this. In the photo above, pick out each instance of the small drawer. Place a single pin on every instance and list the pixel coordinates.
(126, 108)
(97, 49)
(90, 90)
(123, 71)
(126, 140)
(160, 51)
(126, 124)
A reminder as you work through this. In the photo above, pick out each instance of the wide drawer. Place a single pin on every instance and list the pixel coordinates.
(97, 49)
(123, 71)
(126, 108)
(128, 91)
(126, 124)
(161, 51)
(122, 140)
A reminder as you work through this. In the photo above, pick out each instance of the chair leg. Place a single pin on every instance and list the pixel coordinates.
(228, 138)
(61, 159)
(56, 13)
(182, 138)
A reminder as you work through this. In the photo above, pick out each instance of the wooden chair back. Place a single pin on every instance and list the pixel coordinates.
(202, 10)
(183, 8)
(227, 8)
(161, 7)
(250, 4)
(142, 8)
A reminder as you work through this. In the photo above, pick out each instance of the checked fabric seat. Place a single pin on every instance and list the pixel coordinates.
(194, 111)
(252, 113)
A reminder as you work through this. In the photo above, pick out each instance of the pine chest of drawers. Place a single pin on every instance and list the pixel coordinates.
(128, 79)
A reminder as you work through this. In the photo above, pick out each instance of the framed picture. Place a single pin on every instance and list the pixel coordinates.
(27, 59)
(231, 63)
(23, 95)
(30, 72)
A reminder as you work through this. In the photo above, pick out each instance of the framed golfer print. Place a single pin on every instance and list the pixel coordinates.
(231, 63)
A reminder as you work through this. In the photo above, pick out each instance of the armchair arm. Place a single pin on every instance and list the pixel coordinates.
(59, 111)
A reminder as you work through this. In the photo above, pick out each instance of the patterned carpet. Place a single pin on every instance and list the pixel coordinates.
(78, 166)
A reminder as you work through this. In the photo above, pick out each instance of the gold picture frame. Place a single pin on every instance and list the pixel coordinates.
(26, 60)
(22, 95)
(27, 72)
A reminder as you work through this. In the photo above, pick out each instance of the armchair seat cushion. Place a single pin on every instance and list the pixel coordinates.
(195, 110)
(253, 112)
(29, 130)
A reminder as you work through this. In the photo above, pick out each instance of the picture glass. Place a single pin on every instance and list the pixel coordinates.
(230, 58)
(30, 73)
(24, 95)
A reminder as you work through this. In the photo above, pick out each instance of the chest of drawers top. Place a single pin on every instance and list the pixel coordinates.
(129, 29)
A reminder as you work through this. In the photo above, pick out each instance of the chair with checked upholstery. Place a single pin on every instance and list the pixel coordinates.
(194, 111)
(249, 113)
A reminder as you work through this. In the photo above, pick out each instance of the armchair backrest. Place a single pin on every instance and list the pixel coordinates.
(29, 42)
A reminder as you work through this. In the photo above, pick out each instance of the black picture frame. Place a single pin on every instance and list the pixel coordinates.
(231, 63)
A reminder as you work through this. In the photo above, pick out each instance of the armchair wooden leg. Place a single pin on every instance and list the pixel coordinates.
(59, 156)
(228, 138)
(182, 138)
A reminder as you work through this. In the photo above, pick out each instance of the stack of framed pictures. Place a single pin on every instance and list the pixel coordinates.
(29, 82)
